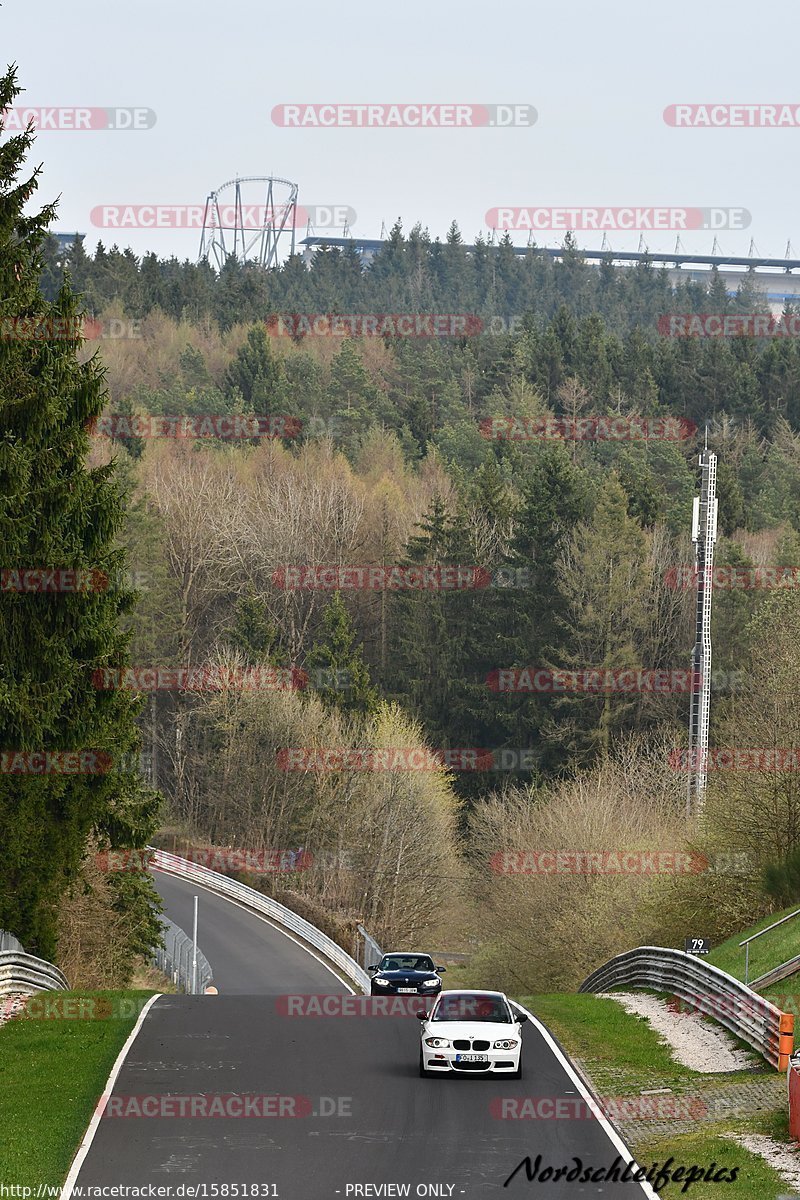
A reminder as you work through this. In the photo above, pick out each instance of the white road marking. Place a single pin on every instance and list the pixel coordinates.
(88, 1137)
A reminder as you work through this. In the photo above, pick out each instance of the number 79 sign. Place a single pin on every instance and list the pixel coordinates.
(697, 945)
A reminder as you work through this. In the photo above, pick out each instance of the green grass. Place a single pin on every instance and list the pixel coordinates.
(623, 1049)
(52, 1073)
(755, 1180)
(766, 952)
(623, 1056)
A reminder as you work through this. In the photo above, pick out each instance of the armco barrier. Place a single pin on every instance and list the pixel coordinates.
(710, 990)
(172, 864)
(20, 972)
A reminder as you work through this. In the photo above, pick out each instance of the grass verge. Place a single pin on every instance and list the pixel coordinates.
(623, 1056)
(765, 953)
(53, 1068)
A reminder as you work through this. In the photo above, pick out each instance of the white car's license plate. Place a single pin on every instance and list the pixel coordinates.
(406, 989)
(472, 1058)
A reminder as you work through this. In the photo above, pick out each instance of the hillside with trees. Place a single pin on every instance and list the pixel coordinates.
(390, 459)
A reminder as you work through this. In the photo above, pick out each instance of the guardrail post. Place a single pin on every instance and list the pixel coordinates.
(785, 1040)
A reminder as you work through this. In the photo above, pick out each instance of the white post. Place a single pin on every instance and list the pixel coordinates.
(194, 950)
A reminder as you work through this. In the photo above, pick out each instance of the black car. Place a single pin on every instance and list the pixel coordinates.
(401, 974)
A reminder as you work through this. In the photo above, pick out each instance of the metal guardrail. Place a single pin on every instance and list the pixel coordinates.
(175, 960)
(172, 864)
(9, 942)
(712, 991)
(746, 942)
(782, 971)
(20, 972)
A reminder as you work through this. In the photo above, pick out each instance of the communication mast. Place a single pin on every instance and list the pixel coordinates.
(247, 219)
(704, 536)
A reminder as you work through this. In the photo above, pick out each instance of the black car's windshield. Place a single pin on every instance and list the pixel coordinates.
(406, 962)
(472, 1007)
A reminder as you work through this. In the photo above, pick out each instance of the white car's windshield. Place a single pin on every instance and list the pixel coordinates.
(466, 1007)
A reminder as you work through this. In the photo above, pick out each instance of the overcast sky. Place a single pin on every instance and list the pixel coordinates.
(598, 75)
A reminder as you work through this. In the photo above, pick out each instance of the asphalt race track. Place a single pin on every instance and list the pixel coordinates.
(347, 1111)
(248, 956)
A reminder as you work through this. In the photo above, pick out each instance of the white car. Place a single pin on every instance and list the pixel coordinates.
(471, 1031)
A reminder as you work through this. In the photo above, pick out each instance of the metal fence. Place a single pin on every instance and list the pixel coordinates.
(371, 952)
(769, 976)
(176, 959)
(278, 913)
(708, 989)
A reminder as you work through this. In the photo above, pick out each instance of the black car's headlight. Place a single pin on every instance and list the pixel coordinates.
(381, 982)
(430, 982)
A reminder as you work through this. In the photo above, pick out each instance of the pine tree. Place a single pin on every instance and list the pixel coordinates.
(603, 577)
(335, 664)
(55, 513)
(534, 632)
(257, 374)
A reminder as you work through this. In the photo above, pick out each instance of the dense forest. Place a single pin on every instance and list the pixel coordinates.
(242, 559)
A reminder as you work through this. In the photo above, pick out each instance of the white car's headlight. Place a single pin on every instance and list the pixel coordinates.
(381, 982)
(506, 1044)
(437, 1043)
(430, 982)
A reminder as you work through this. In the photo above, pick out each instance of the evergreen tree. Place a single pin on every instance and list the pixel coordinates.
(336, 666)
(553, 502)
(603, 576)
(56, 514)
(256, 373)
